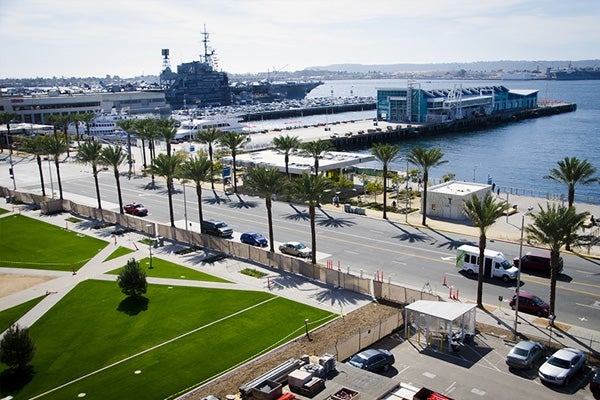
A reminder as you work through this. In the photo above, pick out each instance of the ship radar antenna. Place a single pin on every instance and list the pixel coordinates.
(208, 53)
(166, 63)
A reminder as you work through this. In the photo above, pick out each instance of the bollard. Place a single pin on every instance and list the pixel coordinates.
(445, 281)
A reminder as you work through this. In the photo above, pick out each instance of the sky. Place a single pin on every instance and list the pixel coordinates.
(81, 38)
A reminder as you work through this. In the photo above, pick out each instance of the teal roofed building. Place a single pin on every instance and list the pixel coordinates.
(416, 105)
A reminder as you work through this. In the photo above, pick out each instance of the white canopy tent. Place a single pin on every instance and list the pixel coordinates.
(441, 318)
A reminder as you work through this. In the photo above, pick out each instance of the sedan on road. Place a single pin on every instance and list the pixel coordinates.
(562, 366)
(295, 249)
(373, 360)
(254, 239)
(136, 209)
(525, 354)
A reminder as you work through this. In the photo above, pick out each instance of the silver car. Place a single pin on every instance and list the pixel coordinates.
(295, 249)
(525, 354)
(562, 366)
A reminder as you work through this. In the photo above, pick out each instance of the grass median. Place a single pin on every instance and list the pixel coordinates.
(96, 342)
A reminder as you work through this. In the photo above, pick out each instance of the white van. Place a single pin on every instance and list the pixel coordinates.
(495, 264)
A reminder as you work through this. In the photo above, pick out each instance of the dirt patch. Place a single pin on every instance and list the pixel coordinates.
(12, 283)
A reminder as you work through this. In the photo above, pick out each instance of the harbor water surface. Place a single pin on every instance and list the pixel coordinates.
(515, 156)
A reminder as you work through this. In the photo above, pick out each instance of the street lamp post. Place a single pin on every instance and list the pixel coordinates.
(306, 326)
(185, 207)
(406, 194)
(519, 269)
(50, 169)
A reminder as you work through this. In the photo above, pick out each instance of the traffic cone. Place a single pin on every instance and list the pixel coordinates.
(450, 295)
(456, 294)
(445, 281)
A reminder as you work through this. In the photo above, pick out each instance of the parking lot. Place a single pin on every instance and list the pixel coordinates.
(478, 370)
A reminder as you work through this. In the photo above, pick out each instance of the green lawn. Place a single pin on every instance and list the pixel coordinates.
(120, 251)
(166, 269)
(180, 338)
(11, 315)
(35, 244)
(3, 211)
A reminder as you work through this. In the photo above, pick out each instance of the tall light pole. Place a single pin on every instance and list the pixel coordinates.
(184, 207)
(406, 205)
(50, 169)
(519, 268)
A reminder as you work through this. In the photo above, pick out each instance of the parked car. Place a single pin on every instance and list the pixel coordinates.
(136, 209)
(254, 239)
(217, 228)
(525, 354)
(373, 360)
(530, 304)
(537, 261)
(595, 383)
(295, 249)
(562, 366)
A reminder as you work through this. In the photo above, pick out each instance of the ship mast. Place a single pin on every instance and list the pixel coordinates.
(208, 54)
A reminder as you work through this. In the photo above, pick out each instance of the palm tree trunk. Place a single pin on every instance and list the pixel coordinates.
(199, 196)
(424, 208)
(313, 235)
(170, 195)
(39, 163)
(384, 191)
(554, 257)
(95, 172)
(268, 204)
(212, 173)
(481, 272)
(144, 153)
(119, 192)
(234, 173)
(56, 163)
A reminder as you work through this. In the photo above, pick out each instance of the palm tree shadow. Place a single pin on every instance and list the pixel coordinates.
(331, 222)
(408, 236)
(450, 243)
(13, 380)
(298, 215)
(133, 305)
(241, 203)
(216, 199)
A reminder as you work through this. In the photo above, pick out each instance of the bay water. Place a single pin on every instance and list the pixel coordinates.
(515, 156)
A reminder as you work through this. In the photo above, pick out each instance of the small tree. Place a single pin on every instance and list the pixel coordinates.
(132, 279)
(16, 348)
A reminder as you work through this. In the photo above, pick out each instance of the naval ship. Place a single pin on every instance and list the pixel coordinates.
(198, 84)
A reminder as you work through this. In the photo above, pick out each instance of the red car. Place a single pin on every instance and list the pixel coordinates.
(136, 209)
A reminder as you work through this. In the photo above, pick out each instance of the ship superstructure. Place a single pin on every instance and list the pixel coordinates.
(196, 83)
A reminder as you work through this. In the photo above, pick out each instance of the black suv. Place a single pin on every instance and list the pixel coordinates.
(217, 228)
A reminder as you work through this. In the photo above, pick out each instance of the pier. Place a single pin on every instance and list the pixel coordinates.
(367, 137)
(306, 111)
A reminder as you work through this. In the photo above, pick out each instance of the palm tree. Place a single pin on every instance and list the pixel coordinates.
(386, 153)
(166, 129)
(145, 129)
(310, 189)
(55, 121)
(56, 145)
(64, 121)
(209, 137)
(425, 159)
(266, 181)
(76, 119)
(315, 149)
(169, 168)
(286, 145)
(36, 147)
(128, 125)
(114, 156)
(483, 214)
(5, 118)
(573, 171)
(197, 168)
(233, 141)
(87, 118)
(91, 153)
(553, 227)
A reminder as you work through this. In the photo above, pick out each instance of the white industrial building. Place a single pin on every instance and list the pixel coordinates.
(445, 201)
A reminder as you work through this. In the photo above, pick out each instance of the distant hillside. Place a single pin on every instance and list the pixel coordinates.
(502, 65)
